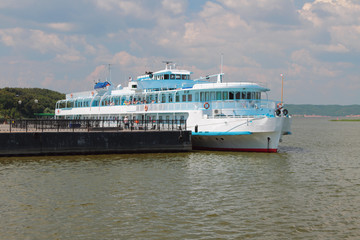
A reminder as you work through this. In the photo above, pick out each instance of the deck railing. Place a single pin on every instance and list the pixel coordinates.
(92, 125)
(179, 106)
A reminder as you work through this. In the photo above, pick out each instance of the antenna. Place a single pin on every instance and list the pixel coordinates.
(219, 78)
(221, 62)
(167, 64)
(109, 69)
(110, 72)
(282, 87)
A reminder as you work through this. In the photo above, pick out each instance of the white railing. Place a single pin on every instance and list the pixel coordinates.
(185, 106)
(229, 107)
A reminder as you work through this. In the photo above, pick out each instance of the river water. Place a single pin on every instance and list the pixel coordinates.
(309, 190)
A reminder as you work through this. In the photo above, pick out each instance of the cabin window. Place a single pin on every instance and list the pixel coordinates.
(184, 98)
(163, 98)
(178, 76)
(202, 96)
(218, 95)
(225, 95)
(166, 76)
(172, 76)
(231, 95)
(237, 95)
(177, 97)
(196, 97)
(207, 96)
(258, 95)
(243, 95)
(170, 98)
(212, 95)
(249, 95)
(189, 97)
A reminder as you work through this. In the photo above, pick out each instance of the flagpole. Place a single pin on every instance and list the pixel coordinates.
(282, 87)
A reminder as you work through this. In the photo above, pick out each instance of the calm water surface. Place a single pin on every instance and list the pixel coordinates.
(309, 190)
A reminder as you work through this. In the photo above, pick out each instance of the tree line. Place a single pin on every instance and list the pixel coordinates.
(18, 103)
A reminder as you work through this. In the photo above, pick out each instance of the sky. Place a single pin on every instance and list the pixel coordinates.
(67, 45)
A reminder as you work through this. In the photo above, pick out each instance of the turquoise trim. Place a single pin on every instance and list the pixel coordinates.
(220, 133)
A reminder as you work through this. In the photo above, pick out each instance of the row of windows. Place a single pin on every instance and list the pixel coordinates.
(172, 77)
(186, 96)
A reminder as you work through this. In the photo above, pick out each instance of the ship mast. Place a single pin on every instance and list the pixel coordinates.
(282, 87)
(219, 78)
(167, 64)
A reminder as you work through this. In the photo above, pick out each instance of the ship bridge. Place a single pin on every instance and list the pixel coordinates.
(168, 79)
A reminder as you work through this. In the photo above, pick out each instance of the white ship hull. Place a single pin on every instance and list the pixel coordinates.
(256, 142)
(238, 134)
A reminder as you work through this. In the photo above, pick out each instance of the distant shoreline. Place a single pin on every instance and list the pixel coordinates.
(356, 117)
(352, 111)
(345, 120)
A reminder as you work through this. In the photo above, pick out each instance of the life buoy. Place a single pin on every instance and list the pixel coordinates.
(279, 105)
(206, 105)
(146, 108)
(285, 112)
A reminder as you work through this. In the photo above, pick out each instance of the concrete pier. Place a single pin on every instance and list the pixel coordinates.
(58, 143)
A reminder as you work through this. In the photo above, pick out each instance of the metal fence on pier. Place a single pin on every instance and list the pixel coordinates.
(92, 125)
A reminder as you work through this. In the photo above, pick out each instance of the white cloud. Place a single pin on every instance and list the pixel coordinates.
(66, 48)
(97, 74)
(174, 6)
(127, 8)
(34, 39)
(346, 36)
(62, 26)
(330, 12)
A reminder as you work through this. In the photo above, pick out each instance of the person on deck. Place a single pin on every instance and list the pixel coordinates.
(126, 122)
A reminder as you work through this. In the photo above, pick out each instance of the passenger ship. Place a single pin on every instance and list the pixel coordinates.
(228, 116)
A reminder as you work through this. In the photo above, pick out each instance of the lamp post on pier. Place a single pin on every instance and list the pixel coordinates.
(282, 88)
